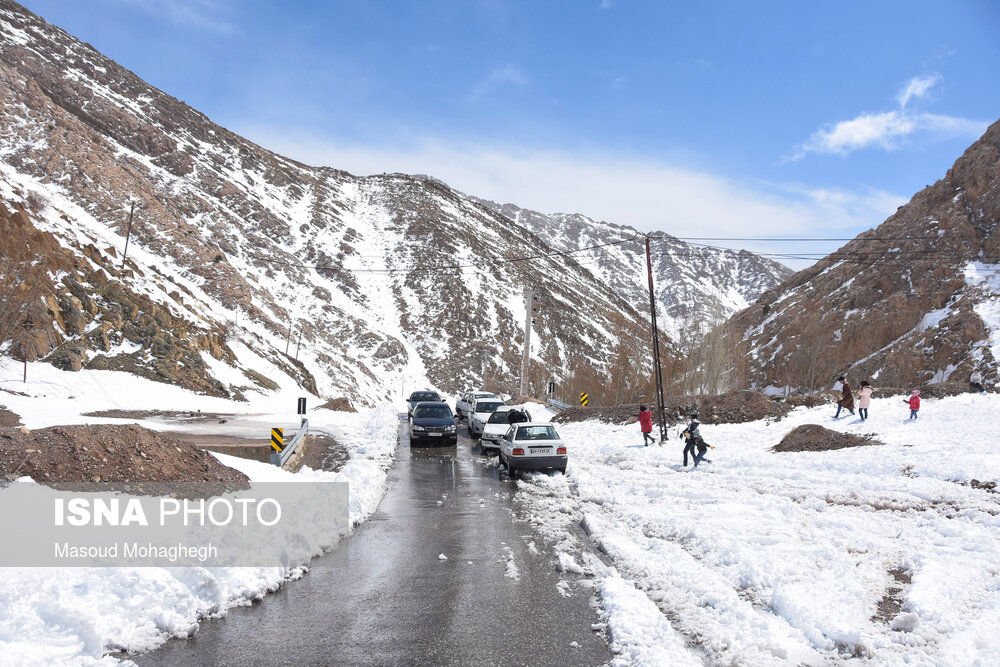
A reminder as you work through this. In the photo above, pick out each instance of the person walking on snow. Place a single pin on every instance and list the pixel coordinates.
(646, 425)
(846, 397)
(692, 438)
(864, 399)
(914, 402)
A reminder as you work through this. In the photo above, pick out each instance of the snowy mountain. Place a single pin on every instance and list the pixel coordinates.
(914, 301)
(696, 287)
(237, 255)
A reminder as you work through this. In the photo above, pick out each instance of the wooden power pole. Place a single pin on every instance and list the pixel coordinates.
(526, 354)
(660, 405)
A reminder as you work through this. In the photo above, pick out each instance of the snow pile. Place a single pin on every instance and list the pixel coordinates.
(888, 552)
(76, 615)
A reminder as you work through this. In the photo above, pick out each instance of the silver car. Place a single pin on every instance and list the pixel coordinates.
(464, 404)
(480, 413)
(532, 446)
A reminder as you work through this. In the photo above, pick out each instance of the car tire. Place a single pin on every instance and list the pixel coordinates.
(562, 470)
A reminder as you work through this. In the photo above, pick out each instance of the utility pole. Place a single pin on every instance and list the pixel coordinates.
(288, 337)
(526, 355)
(128, 233)
(298, 345)
(661, 408)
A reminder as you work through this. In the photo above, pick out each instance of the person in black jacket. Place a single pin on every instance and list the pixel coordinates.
(516, 416)
(692, 439)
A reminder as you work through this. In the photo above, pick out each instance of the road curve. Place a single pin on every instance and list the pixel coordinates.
(384, 597)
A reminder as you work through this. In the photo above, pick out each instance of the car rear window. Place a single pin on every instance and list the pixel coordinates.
(433, 411)
(485, 395)
(424, 396)
(499, 417)
(489, 406)
(536, 433)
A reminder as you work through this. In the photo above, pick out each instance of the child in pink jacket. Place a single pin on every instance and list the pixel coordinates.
(914, 402)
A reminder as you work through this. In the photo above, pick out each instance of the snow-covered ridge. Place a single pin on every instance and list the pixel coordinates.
(392, 281)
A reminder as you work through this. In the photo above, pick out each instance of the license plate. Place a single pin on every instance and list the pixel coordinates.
(541, 450)
(434, 435)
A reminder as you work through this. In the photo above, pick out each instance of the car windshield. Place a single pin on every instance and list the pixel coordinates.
(432, 411)
(488, 406)
(499, 417)
(424, 396)
(536, 433)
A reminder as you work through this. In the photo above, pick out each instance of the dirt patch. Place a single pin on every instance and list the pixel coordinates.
(734, 407)
(8, 418)
(891, 603)
(807, 401)
(108, 453)
(990, 487)
(338, 405)
(324, 453)
(816, 438)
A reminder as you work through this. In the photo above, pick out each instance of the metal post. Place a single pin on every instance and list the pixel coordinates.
(526, 355)
(128, 234)
(288, 337)
(298, 345)
(656, 348)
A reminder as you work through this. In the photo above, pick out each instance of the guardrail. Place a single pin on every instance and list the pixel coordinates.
(281, 458)
(558, 404)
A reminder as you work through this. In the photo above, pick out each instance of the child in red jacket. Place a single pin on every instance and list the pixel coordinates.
(646, 425)
(914, 402)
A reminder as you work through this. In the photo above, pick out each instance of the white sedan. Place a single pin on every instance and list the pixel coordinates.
(479, 413)
(497, 425)
(532, 446)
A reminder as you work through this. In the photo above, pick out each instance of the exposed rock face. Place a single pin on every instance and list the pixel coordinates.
(696, 287)
(388, 281)
(915, 301)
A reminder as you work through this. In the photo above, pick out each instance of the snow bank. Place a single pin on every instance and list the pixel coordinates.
(77, 615)
(889, 553)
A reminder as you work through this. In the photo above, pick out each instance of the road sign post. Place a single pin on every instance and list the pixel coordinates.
(302, 406)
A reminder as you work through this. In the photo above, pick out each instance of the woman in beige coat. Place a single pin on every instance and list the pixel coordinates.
(864, 399)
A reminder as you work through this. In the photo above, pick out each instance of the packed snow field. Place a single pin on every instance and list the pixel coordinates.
(879, 554)
(73, 616)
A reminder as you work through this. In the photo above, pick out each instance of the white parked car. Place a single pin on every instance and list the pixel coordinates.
(532, 446)
(497, 425)
(465, 401)
(480, 413)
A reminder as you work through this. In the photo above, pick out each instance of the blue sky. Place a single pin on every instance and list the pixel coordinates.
(725, 118)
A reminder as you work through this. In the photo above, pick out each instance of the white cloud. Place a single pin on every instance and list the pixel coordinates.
(648, 195)
(502, 76)
(889, 130)
(917, 87)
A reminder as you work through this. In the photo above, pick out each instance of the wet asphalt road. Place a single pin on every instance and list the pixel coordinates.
(383, 597)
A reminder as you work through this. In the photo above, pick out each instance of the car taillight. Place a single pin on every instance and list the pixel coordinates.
(518, 452)
(561, 450)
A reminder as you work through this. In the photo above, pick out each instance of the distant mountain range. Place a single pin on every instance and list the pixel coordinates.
(696, 287)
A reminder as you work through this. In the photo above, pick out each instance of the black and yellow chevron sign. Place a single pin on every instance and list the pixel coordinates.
(583, 397)
(277, 439)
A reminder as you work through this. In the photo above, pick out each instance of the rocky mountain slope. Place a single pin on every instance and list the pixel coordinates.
(914, 301)
(696, 287)
(237, 255)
